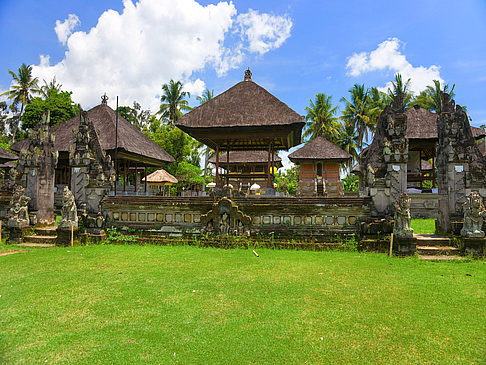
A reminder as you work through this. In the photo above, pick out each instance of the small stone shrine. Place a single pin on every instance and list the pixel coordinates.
(384, 166)
(225, 219)
(403, 235)
(473, 236)
(68, 225)
(35, 171)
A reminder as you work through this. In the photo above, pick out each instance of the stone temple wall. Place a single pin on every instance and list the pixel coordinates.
(310, 218)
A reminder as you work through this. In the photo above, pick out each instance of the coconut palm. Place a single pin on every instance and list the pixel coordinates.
(47, 89)
(360, 113)
(399, 88)
(173, 101)
(348, 139)
(321, 119)
(430, 98)
(206, 96)
(20, 91)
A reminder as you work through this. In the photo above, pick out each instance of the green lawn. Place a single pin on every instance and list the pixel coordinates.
(152, 304)
(423, 225)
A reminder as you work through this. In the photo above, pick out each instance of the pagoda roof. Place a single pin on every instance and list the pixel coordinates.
(249, 157)
(131, 141)
(319, 149)
(245, 117)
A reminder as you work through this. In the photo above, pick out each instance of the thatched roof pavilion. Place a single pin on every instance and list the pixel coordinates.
(319, 149)
(160, 177)
(133, 145)
(245, 117)
(247, 158)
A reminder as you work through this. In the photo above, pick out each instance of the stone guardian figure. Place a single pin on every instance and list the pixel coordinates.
(401, 227)
(68, 211)
(473, 216)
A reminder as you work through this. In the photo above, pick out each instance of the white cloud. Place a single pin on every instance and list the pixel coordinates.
(65, 28)
(263, 31)
(389, 57)
(195, 88)
(132, 53)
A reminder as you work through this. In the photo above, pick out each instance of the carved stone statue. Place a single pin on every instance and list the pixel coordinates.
(401, 227)
(224, 219)
(18, 215)
(473, 216)
(68, 211)
(224, 224)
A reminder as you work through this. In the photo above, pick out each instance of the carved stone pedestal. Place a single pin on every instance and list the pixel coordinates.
(17, 232)
(474, 246)
(64, 235)
(404, 246)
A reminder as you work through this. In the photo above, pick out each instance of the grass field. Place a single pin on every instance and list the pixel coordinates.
(423, 225)
(150, 304)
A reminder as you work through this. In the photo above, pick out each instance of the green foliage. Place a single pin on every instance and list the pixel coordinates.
(173, 102)
(117, 237)
(321, 118)
(188, 173)
(351, 182)
(430, 97)
(421, 226)
(135, 115)
(400, 88)
(60, 104)
(287, 181)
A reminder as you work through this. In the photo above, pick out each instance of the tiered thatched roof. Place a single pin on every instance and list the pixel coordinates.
(246, 157)
(319, 149)
(132, 143)
(161, 177)
(245, 117)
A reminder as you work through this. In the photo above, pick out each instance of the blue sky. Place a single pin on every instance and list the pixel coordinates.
(295, 49)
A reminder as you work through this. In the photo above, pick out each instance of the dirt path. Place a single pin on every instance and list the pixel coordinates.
(11, 252)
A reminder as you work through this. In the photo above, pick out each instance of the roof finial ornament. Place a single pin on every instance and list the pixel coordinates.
(104, 99)
(247, 74)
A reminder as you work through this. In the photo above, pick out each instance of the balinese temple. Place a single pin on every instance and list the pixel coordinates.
(135, 151)
(320, 162)
(246, 117)
(423, 138)
(246, 168)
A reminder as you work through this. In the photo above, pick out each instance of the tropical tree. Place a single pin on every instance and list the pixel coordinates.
(360, 113)
(135, 115)
(321, 118)
(204, 98)
(399, 88)
(20, 92)
(348, 140)
(430, 97)
(48, 88)
(173, 102)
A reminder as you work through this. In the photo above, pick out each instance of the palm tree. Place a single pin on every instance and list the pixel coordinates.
(430, 98)
(321, 119)
(400, 89)
(20, 92)
(47, 89)
(204, 98)
(173, 101)
(348, 140)
(360, 114)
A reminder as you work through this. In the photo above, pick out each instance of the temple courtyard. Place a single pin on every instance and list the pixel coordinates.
(160, 304)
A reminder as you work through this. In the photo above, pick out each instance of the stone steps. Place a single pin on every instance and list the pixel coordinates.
(441, 257)
(29, 244)
(46, 231)
(432, 240)
(40, 239)
(437, 250)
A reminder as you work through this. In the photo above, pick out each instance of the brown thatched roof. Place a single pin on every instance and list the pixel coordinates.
(161, 176)
(242, 157)
(130, 138)
(319, 149)
(245, 117)
(7, 155)
(422, 124)
(482, 148)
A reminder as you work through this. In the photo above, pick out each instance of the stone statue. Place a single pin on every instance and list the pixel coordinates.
(224, 224)
(18, 215)
(473, 216)
(401, 226)
(68, 211)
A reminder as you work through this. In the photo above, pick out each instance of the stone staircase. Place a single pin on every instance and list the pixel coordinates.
(434, 248)
(42, 237)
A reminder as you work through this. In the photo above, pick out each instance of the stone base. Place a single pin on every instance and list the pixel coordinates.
(64, 236)
(16, 234)
(404, 246)
(270, 191)
(474, 246)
